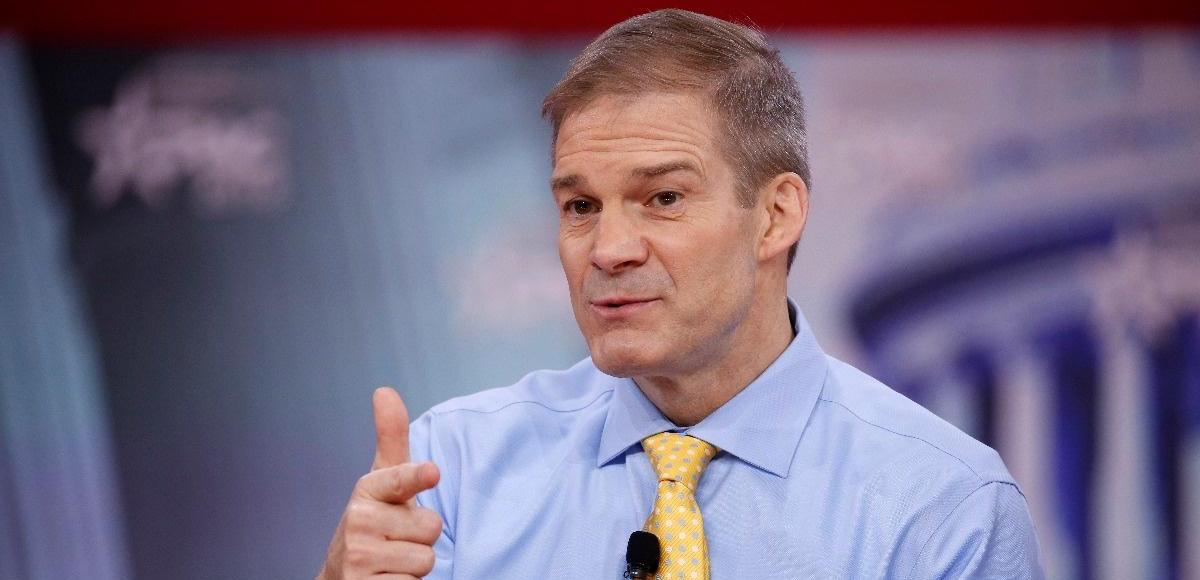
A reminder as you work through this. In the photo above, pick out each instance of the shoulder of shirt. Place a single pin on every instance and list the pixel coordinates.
(889, 414)
(574, 389)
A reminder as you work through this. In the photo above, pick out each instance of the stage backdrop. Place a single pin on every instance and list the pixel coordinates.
(233, 244)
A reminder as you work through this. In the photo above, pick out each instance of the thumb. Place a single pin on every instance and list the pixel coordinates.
(391, 429)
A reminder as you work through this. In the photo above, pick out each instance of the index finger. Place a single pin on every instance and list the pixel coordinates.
(391, 429)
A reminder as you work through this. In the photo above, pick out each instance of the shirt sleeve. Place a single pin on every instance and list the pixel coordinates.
(424, 446)
(988, 535)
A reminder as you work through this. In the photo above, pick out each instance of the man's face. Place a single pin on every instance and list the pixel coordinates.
(659, 256)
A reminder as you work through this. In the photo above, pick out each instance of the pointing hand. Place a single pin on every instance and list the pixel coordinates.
(383, 530)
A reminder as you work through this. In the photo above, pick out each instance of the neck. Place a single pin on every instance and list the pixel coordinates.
(688, 398)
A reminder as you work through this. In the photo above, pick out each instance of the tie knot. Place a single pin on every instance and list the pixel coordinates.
(677, 457)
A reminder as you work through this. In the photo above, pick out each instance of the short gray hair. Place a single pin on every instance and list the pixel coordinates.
(675, 50)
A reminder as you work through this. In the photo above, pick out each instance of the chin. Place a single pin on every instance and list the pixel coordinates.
(625, 358)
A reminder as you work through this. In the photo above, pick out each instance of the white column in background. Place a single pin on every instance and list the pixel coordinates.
(1127, 526)
(1025, 439)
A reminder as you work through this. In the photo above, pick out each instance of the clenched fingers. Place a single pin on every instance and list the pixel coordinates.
(370, 556)
(393, 522)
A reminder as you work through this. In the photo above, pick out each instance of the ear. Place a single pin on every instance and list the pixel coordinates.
(785, 199)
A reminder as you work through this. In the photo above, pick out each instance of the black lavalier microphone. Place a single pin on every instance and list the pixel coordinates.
(641, 557)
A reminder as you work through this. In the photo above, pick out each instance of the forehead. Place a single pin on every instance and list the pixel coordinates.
(612, 129)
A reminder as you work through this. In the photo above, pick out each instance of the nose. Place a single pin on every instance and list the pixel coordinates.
(618, 245)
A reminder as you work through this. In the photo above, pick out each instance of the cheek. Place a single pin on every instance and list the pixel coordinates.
(710, 256)
(573, 257)
(714, 272)
(576, 264)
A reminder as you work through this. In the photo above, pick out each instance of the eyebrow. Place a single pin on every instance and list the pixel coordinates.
(665, 168)
(573, 181)
(565, 182)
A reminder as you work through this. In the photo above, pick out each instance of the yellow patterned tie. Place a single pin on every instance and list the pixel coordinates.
(679, 460)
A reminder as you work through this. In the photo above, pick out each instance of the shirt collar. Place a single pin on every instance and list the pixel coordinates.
(761, 425)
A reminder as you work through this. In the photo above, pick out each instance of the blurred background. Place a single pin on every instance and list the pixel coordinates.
(223, 225)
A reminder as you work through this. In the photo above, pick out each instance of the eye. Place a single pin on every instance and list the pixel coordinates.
(580, 206)
(665, 198)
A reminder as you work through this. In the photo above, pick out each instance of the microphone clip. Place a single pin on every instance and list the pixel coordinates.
(642, 556)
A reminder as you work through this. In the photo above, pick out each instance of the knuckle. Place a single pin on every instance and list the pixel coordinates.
(357, 510)
(429, 523)
(358, 516)
(422, 560)
(396, 477)
(358, 556)
(363, 484)
(402, 477)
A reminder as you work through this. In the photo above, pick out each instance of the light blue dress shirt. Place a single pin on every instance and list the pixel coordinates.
(823, 473)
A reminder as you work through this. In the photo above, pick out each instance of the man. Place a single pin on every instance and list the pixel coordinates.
(706, 414)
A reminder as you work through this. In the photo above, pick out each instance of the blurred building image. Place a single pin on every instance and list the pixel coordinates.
(211, 253)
